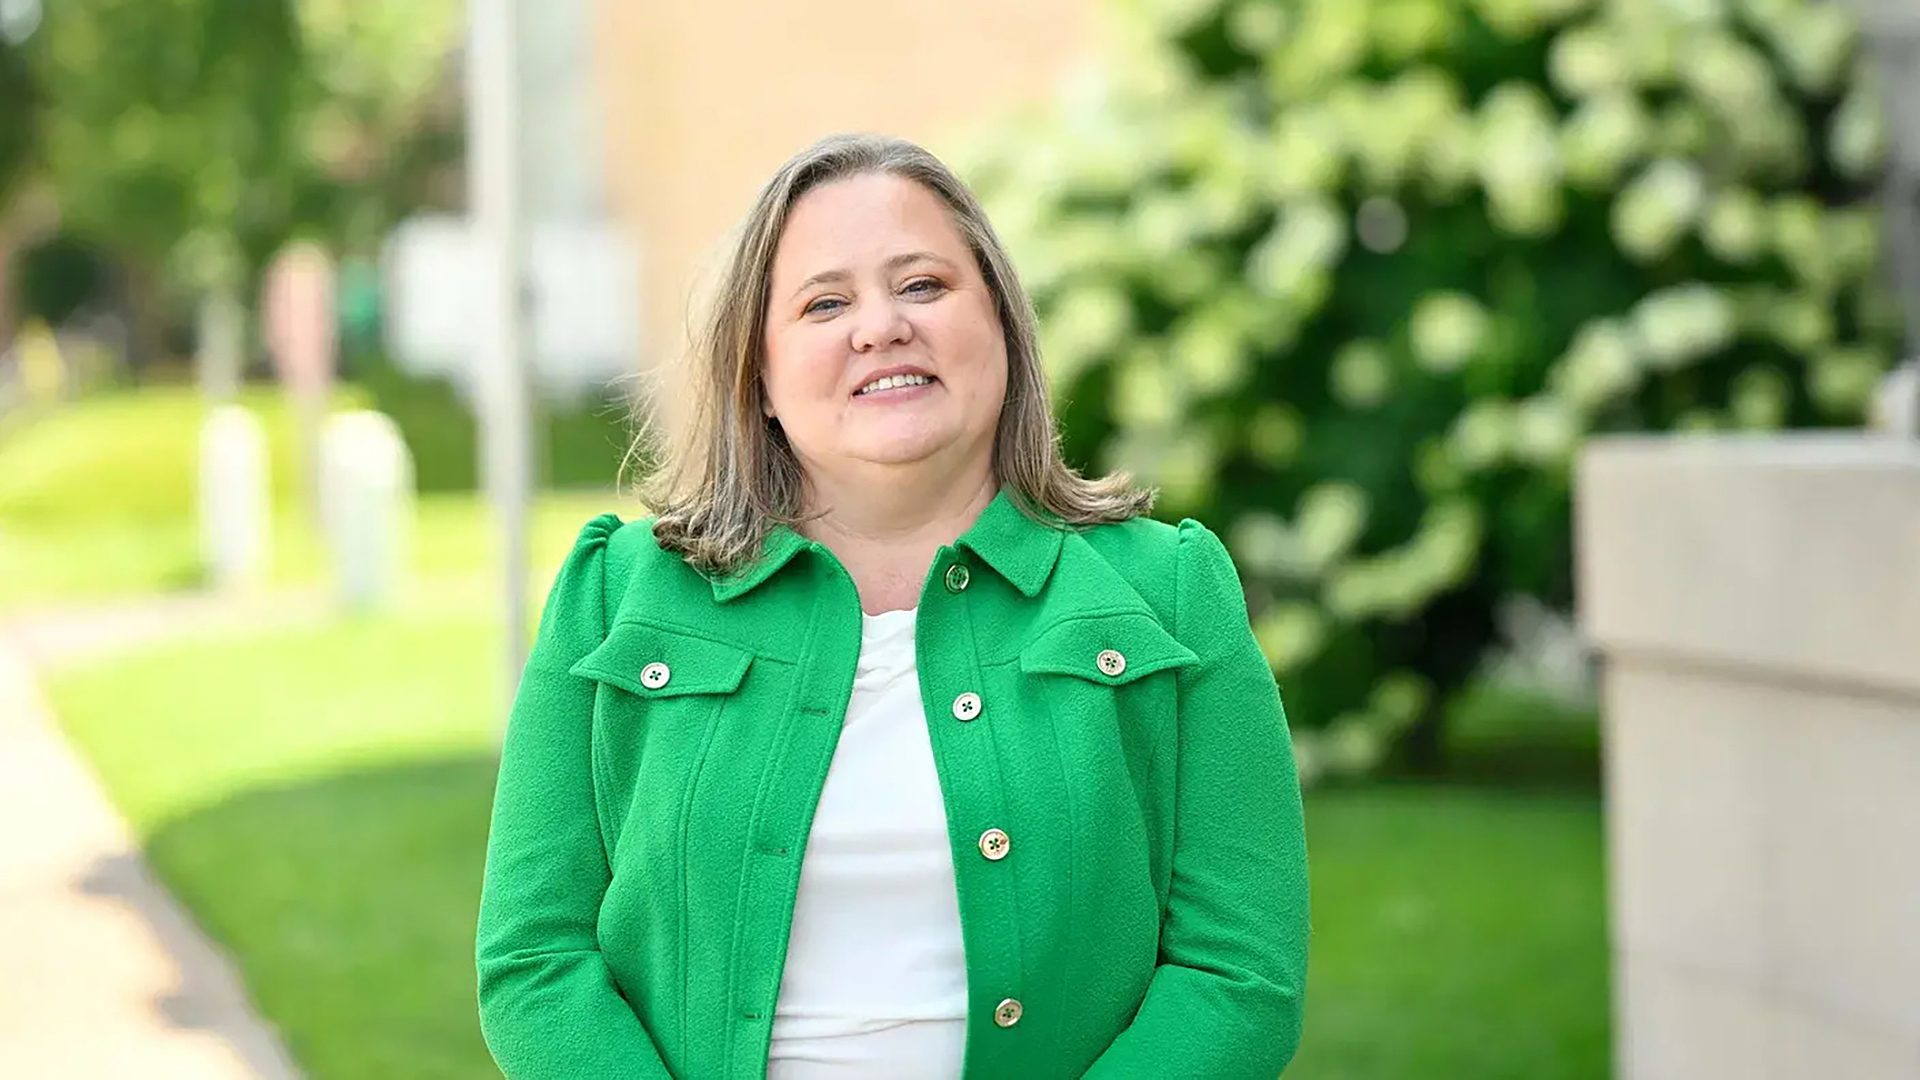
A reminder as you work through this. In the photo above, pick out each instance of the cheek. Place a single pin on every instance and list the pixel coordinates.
(992, 350)
(801, 369)
(975, 335)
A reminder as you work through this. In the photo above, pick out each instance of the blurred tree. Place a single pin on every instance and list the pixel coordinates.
(168, 134)
(58, 275)
(386, 123)
(17, 100)
(195, 137)
(1351, 279)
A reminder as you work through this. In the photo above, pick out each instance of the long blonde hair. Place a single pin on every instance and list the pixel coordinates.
(727, 475)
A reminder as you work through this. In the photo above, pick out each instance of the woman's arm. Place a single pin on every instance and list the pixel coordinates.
(1226, 1000)
(548, 1005)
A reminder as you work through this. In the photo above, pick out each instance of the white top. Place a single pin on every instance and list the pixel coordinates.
(875, 986)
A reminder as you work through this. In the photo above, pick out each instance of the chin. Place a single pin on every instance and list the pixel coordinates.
(897, 457)
(903, 445)
(898, 451)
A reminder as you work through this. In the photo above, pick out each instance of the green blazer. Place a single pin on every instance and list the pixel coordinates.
(1119, 783)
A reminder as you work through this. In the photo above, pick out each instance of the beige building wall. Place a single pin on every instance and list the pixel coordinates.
(705, 98)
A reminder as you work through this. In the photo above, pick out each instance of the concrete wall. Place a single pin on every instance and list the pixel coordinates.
(1757, 603)
(703, 101)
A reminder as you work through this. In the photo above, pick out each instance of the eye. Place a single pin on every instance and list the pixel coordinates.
(925, 287)
(825, 305)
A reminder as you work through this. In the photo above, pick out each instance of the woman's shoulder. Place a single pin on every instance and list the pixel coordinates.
(1147, 543)
(1152, 556)
(611, 544)
(611, 528)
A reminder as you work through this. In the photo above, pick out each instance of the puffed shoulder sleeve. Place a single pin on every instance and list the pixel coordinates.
(574, 619)
(1226, 1000)
(548, 1005)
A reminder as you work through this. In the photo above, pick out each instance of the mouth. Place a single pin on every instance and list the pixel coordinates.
(890, 384)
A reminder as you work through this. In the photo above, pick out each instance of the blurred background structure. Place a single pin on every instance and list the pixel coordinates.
(1383, 290)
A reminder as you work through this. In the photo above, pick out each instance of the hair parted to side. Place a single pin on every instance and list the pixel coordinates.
(726, 475)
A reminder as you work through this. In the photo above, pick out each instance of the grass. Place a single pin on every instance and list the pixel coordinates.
(318, 799)
(1458, 933)
(97, 501)
(97, 498)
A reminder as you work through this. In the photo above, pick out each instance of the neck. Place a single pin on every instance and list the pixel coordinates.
(885, 527)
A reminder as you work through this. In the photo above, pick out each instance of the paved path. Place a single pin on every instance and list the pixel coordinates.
(103, 975)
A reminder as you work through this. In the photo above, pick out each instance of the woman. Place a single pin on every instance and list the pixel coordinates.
(891, 747)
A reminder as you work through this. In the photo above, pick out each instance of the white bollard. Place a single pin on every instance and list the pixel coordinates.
(235, 522)
(1896, 402)
(366, 504)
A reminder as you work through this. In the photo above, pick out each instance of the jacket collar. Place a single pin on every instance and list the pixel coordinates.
(1016, 546)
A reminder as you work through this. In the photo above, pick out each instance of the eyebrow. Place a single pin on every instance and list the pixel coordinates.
(892, 264)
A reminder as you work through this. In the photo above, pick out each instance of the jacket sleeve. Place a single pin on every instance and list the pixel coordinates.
(548, 1005)
(1226, 1000)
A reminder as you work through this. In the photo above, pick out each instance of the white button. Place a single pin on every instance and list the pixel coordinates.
(966, 706)
(655, 675)
(1111, 661)
(1008, 1013)
(994, 844)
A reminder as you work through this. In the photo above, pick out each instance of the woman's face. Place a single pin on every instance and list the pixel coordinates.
(872, 278)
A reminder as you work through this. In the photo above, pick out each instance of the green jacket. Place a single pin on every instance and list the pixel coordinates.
(1146, 908)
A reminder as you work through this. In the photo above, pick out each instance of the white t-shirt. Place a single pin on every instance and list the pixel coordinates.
(875, 986)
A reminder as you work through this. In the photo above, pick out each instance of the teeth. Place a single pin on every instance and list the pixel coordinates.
(892, 381)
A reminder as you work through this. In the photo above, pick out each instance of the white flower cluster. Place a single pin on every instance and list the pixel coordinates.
(1366, 222)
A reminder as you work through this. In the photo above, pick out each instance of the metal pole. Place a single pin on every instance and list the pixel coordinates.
(494, 165)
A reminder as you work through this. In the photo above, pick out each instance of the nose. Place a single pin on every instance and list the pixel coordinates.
(876, 326)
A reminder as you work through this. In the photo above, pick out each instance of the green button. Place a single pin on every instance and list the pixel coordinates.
(957, 577)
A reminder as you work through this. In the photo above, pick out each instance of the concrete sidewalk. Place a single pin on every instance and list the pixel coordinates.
(104, 975)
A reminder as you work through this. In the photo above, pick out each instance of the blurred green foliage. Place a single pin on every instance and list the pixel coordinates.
(99, 498)
(577, 444)
(193, 138)
(129, 457)
(164, 122)
(16, 118)
(1352, 279)
(57, 276)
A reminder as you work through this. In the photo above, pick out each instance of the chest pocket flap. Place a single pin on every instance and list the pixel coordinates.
(1113, 648)
(656, 661)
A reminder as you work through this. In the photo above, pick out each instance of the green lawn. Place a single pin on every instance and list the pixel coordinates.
(97, 501)
(1458, 934)
(318, 799)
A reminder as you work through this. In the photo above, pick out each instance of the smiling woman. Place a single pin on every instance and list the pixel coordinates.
(892, 746)
(862, 258)
(887, 349)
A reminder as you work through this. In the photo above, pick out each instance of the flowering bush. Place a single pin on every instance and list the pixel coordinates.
(1351, 280)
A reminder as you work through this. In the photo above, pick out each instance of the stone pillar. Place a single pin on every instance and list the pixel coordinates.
(1757, 605)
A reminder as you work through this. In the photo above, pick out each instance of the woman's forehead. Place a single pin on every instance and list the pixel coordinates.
(862, 221)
